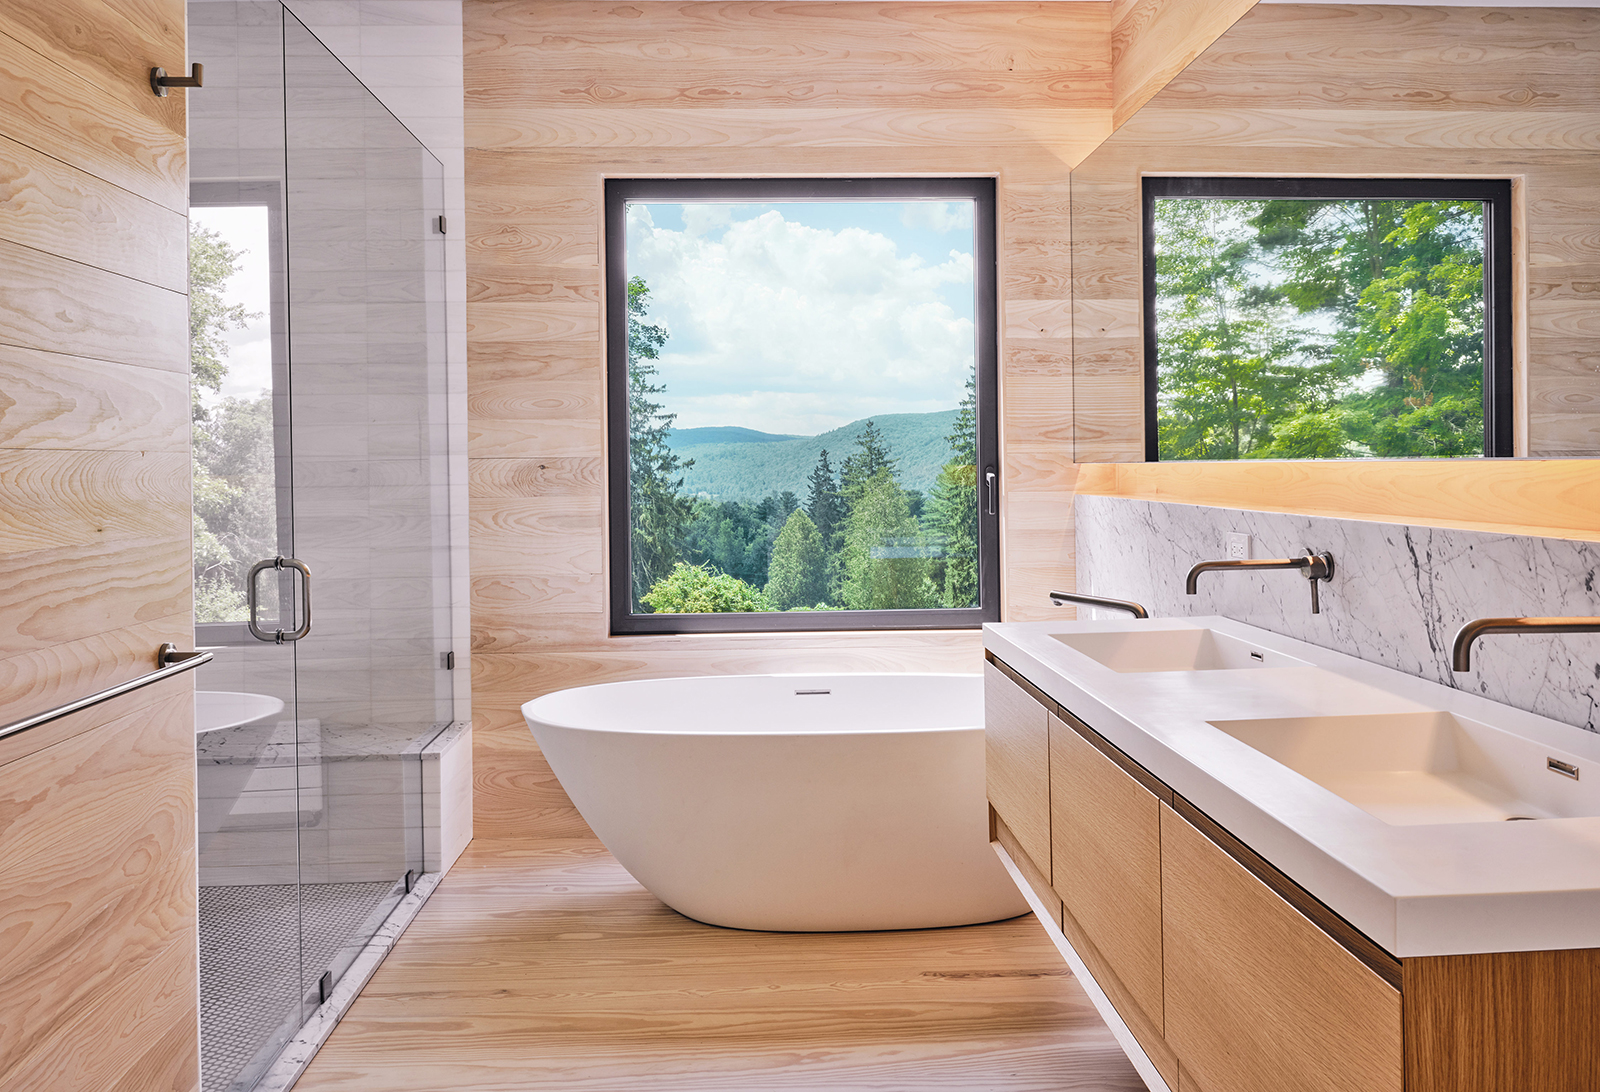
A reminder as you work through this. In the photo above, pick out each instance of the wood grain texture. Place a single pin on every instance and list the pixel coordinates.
(1507, 1020)
(45, 204)
(1144, 1029)
(1375, 91)
(1105, 854)
(1554, 498)
(1258, 999)
(97, 879)
(541, 963)
(62, 113)
(1016, 746)
(97, 902)
(1152, 41)
(1037, 880)
(560, 96)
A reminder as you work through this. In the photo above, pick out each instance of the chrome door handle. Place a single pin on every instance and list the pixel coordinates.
(990, 481)
(276, 563)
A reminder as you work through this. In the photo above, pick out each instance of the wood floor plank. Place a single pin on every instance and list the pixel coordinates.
(544, 964)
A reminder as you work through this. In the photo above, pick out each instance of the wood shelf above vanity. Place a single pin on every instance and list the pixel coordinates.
(1232, 976)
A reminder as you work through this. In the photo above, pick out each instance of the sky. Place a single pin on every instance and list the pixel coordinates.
(250, 349)
(800, 317)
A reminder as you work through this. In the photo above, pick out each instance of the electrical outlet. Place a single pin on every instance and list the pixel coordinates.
(1238, 547)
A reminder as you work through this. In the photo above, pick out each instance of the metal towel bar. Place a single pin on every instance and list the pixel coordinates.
(172, 663)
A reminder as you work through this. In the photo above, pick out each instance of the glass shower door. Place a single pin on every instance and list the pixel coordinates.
(317, 317)
(366, 345)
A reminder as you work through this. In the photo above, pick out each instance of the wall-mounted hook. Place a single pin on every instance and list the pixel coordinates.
(160, 81)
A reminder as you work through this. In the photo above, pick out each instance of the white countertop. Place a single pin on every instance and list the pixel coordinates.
(1442, 889)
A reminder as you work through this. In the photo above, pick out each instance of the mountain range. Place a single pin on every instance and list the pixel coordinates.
(734, 463)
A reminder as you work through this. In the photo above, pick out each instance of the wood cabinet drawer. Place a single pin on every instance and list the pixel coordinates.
(1257, 997)
(1105, 837)
(1016, 737)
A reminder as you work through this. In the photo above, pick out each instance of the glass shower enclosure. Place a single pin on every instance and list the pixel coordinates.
(321, 520)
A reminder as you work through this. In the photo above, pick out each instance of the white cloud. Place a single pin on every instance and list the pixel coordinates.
(938, 216)
(779, 326)
(249, 360)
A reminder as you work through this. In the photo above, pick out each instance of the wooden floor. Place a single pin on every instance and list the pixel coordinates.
(543, 965)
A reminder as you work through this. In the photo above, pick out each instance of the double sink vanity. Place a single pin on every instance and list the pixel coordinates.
(1290, 869)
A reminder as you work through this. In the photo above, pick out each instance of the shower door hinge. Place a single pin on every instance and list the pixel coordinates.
(442, 226)
(411, 879)
(324, 987)
(448, 661)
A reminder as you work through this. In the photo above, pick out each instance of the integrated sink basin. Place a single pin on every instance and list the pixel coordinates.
(1173, 650)
(1414, 769)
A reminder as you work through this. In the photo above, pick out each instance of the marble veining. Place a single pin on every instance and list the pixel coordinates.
(1398, 595)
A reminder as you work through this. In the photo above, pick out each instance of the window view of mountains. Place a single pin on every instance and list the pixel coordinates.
(741, 464)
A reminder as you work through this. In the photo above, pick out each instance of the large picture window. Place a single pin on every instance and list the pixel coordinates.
(801, 388)
(1321, 318)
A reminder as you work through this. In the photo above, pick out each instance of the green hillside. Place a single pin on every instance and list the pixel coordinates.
(751, 470)
(725, 434)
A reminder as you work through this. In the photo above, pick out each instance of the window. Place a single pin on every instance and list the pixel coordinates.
(801, 404)
(1321, 318)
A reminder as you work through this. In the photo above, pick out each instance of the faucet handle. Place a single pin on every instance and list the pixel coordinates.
(1317, 567)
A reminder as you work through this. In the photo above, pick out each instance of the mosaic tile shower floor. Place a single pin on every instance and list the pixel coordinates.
(250, 962)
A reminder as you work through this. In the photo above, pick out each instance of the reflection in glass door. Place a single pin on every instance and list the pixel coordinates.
(317, 345)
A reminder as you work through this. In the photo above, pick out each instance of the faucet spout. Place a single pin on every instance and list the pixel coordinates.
(1313, 566)
(1461, 650)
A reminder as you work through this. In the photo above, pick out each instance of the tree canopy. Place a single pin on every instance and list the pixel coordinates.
(1319, 328)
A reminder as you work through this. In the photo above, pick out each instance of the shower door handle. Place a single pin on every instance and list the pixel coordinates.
(277, 563)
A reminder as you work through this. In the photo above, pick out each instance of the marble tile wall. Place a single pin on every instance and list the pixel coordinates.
(1398, 595)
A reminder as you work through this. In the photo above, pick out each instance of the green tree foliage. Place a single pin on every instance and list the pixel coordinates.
(823, 503)
(952, 514)
(695, 589)
(1228, 360)
(885, 564)
(660, 512)
(798, 573)
(731, 537)
(212, 262)
(1320, 329)
(870, 458)
(235, 518)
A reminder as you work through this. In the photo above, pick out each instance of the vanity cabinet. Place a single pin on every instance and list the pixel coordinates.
(1231, 976)
(1105, 853)
(1258, 998)
(1016, 751)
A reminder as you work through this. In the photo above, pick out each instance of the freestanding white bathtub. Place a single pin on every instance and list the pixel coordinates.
(788, 802)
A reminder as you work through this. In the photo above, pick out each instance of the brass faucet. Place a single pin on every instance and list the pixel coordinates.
(1313, 567)
(1461, 651)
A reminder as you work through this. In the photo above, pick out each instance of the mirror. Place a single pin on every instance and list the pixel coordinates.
(1364, 91)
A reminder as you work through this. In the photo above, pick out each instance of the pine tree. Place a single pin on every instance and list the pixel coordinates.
(863, 464)
(823, 503)
(953, 508)
(660, 512)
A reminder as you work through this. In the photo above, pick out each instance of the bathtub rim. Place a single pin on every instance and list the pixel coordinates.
(529, 717)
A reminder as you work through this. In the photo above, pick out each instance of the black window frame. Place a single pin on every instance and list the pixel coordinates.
(1499, 405)
(619, 192)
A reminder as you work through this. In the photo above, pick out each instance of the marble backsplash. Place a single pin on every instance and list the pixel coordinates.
(1398, 595)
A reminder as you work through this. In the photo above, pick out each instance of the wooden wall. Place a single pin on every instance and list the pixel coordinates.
(561, 95)
(97, 883)
(1554, 498)
(1368, 90)
(1152, 41)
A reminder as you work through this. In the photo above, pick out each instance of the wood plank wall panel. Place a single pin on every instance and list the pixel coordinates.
(1366, 90)
(97, 900)
(561, 95)
(1557, 498)
(1152, 41)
